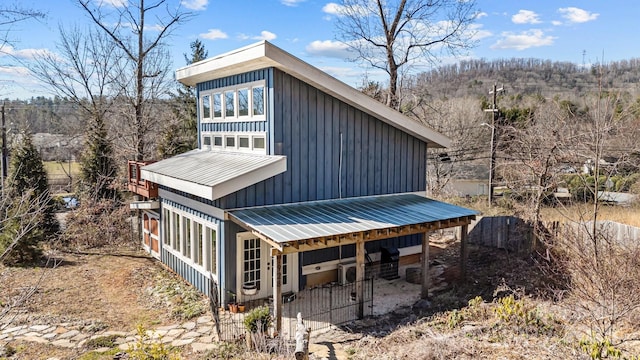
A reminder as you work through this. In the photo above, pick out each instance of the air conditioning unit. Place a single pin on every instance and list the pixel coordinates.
(346, 273)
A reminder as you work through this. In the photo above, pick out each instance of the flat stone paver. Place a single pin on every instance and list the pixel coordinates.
(202, 347)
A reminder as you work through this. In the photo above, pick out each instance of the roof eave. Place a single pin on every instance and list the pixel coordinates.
(263, 54)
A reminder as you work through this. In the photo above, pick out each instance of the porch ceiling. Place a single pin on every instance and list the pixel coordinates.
(291, 228)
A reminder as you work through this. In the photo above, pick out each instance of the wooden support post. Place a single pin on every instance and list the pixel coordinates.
(277, 291)
(360, 272)
(464, 251)
(424, 292)
(302, 340)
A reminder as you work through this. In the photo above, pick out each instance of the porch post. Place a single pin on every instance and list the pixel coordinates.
(277, 290)
(424, 292)
(360, 271)
(464, 250)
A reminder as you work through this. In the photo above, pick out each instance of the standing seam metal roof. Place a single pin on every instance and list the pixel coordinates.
(300, 221)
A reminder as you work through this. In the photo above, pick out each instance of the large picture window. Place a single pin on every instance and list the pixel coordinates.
(244, 101)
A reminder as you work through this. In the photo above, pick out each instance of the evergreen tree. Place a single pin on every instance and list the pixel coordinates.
(29, 211)
(98, 168)
(182, 135)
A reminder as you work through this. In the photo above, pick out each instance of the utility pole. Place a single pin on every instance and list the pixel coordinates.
(494, 116)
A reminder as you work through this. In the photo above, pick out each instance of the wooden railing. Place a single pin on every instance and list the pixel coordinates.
(136, 184)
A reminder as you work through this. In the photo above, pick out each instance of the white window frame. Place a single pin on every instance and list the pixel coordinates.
(207, 252)
(237, 135)
(221, 92)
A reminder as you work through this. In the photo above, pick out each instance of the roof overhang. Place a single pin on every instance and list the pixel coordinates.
(211, 174)
(264, 55)
(297, 227)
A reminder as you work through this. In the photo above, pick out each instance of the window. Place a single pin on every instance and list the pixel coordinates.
(257, 100)
(258, 142)
(243, 102)
(206, 141)
(186, 248)
(217, 140)
(206, 106)
(229, 103)
(243, 142)
(212, 235)
(217, 105)
(177, 231)
(166, 226)
(199, 244)
(230, 141)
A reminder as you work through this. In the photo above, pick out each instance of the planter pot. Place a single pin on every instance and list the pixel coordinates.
(241, 308)
(233, 308)
(249, 289)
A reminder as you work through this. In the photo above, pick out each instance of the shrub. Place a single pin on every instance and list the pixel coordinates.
(258, 319)
(147, 349)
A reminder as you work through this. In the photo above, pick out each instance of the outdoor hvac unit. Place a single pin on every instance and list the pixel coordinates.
(346, 273)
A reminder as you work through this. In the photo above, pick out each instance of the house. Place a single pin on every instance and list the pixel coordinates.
(295, 175)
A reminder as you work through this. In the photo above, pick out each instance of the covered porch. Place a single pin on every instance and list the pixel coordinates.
(299, 227)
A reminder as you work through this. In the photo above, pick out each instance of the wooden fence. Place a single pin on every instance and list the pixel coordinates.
(516, 235)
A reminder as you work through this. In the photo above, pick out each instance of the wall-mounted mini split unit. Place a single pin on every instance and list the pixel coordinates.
(346, 273)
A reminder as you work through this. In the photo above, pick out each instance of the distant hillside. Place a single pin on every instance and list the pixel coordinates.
(474, 78)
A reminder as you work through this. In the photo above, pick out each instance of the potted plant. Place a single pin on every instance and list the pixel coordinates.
(257, 322)
(233, 307)
(241, 307)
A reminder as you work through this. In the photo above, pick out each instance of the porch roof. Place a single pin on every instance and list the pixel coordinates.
(212, 174)
(311, 225)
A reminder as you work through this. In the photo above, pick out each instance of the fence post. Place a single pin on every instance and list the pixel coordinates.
(302, 340)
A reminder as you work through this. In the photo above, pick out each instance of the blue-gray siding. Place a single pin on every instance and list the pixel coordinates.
(333, 150)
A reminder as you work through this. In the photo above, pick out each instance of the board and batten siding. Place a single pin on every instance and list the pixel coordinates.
(333, 150)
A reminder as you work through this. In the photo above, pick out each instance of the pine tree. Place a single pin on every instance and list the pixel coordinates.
(181, 135)
(29, 211)
(98, 168)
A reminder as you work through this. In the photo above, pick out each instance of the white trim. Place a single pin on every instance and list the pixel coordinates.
(237, 134)
(264, 54)
(194, 220)
(236, 103)
(190, 203)
(216, 191)
(333, 264)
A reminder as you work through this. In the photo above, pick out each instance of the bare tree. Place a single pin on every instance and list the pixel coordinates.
(145, 64)
(389, 34)
(85, 70)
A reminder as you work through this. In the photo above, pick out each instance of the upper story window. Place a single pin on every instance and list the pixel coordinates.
(241, 102)
(246, 142)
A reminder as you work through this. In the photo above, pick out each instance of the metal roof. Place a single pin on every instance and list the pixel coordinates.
(317, 219)
(212, 174)
(264, 54)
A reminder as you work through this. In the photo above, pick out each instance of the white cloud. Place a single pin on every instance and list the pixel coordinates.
(481, 14)
(214, 34)
(26, 54)
(114, 3)
(478, 32)
(556, 23)
(195, 4)
(265, 35)
(328, 48)
(523, 40)
(15, 71)
(526, 17)
(333, 9)
(341, 10)
(576, 15)
(291, 2)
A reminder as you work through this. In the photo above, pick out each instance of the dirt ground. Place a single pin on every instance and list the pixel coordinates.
(88, 291)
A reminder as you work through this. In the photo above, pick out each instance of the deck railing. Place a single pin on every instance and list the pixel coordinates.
(136, 184)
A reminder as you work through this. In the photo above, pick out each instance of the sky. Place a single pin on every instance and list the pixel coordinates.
(579, 31)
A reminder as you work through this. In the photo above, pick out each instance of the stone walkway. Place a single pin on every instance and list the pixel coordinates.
(198, 334)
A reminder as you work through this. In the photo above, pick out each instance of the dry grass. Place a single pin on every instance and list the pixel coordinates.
(629, 215)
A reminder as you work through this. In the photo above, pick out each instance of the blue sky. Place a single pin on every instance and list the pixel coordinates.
(576, 31)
